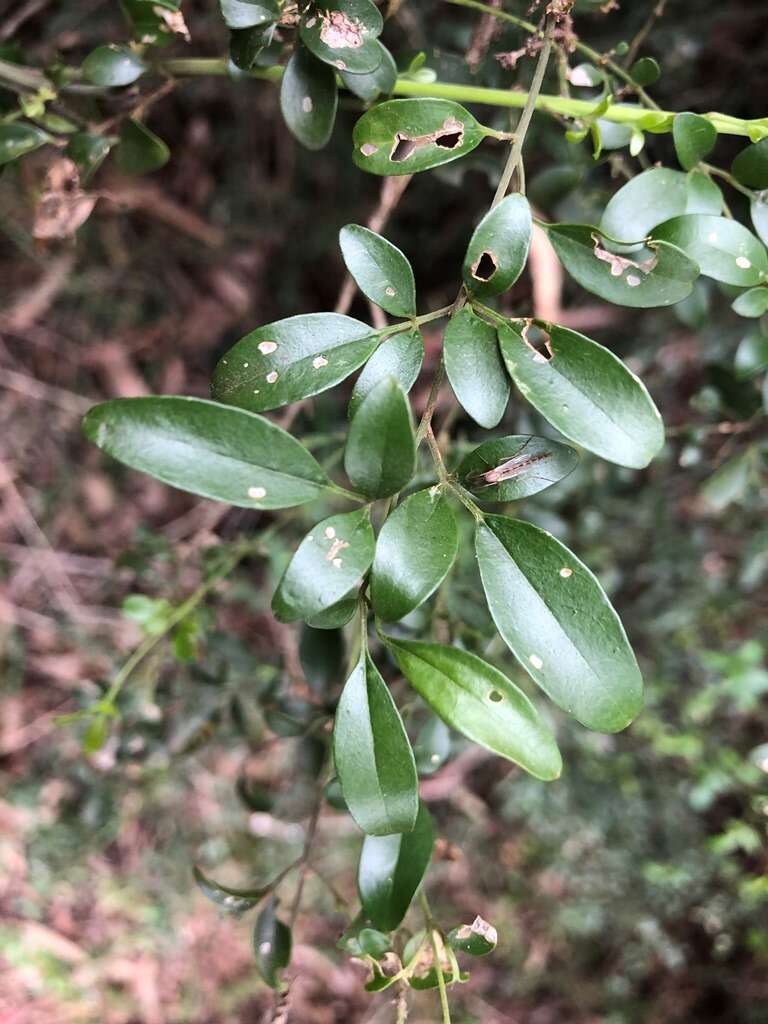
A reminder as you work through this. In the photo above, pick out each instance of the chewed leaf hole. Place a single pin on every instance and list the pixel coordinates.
(485, 267)
(538, 342)
(448, 137)
(495, 696)
(450, 140)
(403, 148)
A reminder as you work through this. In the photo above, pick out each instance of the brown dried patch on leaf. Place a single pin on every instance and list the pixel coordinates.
(63, 206)
(482, 928)
(485, 267)
(339, 31)
(174, 22)
(620, 264)
(449, 136)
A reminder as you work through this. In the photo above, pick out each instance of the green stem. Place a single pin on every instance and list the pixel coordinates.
(429, 921)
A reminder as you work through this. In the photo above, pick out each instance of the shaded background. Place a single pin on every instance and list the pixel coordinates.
(632, 890)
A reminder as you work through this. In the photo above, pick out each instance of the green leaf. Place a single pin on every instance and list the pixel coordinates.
(96, 734)
(557, 621)
(246, 14)
(658, 275)
(148, 26)
(373, 943)
(759, 212)
(724, 249)
(292, 359)
(234, 901)
(645, 71)
(381, 271)
(308, 99)
(587, 393)
(337, 615)
(19, 139)
(405, 136)
(140, 150)
(321, 653)
(752, 354)
(247, 45)
(432, 746)
(330, 561)
(113, 65)
(415, 550)
(476, 939)
(343, 33)
(372, 84)
(400, 357)
(88, 152)
(752, 303)
(480, 702)
(751, 165)
(391, 869)
(211, 450)
(271, 944)
(474, 367)
(498, 249)
(694, 138)
(514, 467)
(373, 755)
(380, 456)
(656, 196)
(729, 482)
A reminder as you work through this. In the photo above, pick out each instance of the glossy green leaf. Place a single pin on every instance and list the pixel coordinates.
(337, 615)
(405, 136)
(321, 653)
(381, 271)
(292, 359)
(330, 561)
(724, 249)
(656, 196)
(694, 138)
(209, 449)
(234, 901)
(476, 939)
(752, 353)
(113, 65)
(498, 249)
(658, 275)
(370, 85)
(343, 33)
(380, 455)
(373, 943)
(271, 944)
(373, 755)
(248, 45)
(480, 702)
(751, 165)
(19, 139)
(557, 621)
(587, 393)
(88, 152)
(752, 303)
(432, 746)
(759, 212)
(400, 357)
(415, 550)
(247, 14)
(308, 98)
(391, 869)
(475, 368)
(645, 71)
(729, 482)
(514, 467)
(140, 150)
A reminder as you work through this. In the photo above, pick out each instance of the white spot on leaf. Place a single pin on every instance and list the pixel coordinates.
(368, 149)
(256, 493)
(330, 533)
(390, 291)
(566, 572)
(319, 361)
(265, 347)
(536, 661)
(743, 262)
(272, 377)
(633, 280)
(306, 104)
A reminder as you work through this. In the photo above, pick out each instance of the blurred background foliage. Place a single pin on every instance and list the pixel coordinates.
(634, 889)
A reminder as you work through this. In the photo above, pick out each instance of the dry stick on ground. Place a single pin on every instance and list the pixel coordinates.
(35, 301)
(30, 387)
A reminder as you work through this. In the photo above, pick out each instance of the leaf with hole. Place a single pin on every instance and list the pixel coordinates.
(233, 901)
(343, 33)
(694, 137)
(140, 150)
(380, 455)
(308, 98)
(415, 550)
(239, 14)
(514, 467)
(752, 303)
(724, 249)
(17, 140)
(658, 275)
(656, 196)
(475, 368)
(112, 66)
(209, 449)
(373, 755)
(751, 165)
(292, 359)
(476, 939)
(381, 271)
(405, 136)
(400, 357)
(555, 618)
(586, 392)
(498, 249)
(271, 944)
(371, 84)
(480, 702)
(391, 869)
(330, 561)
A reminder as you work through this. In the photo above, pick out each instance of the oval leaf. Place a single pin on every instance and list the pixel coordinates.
(239, 14)
(400, 357)
(752, 303)
(18, 139)
(381, 271)
(498, 249)
(654, 196)
(476, 939)
(724, 249)
(140, 150)
(271, 944)
(415, 550)
(292, 359)
(514, 467)
(380, 456)
(373, 755)
(329, 562)
(751, 165)
(475, 368)
(557, 621)
(372, 84)
(405, 136)
(343, 33)
(88, 152)
(432, 746)
(308, 98)
(212, 450)
(337, 614)
(480, 702)
(587, 393)
(694, 138)
(112, 66)
(391, 869)
(234, 901)
(758, 211)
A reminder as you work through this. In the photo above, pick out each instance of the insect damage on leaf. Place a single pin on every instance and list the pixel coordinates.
(449, 136)
(620, 264)
(485, 267)
(538, 341)
(339, 31)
